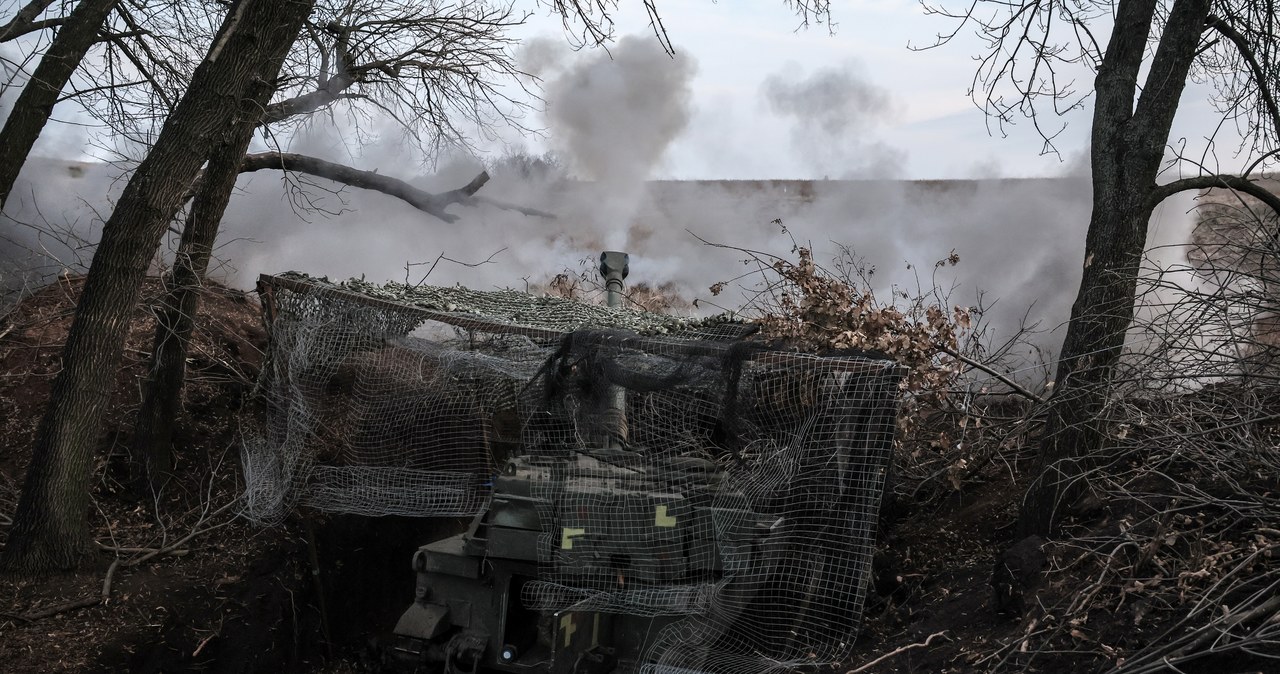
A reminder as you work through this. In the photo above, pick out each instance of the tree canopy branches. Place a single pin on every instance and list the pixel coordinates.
(24, 21)
(1034, 53)
(438, 71)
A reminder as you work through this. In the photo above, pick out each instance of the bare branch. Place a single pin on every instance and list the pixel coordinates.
(33, 27)
(1004, 378)
(1247, 53)
(438, 71)
(303, 104)
(424, 201)
(23, 22)
(427, 202)
(1232, 182)
(144, 71)
(896, 652)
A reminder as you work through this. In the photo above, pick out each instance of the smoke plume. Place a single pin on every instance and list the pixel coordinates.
(832, 114)
(613, 115)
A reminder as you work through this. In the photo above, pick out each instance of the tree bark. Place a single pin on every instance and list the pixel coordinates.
(50, 527)
(34, 105)
(151, 450)
(1127, 147)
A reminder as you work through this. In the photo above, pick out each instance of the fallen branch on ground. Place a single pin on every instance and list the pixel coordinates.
(174, 548)
(896, 652)
(134, 551)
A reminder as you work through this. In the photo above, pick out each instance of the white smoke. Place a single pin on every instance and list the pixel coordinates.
(543, 57)
(613, 115)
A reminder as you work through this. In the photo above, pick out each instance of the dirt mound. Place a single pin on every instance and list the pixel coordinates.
(191, 587)
(225, 355)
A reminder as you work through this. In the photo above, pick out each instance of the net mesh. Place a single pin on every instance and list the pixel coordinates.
(679, 469)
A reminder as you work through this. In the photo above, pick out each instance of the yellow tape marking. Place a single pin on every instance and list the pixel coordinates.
(566, 538)
(567, 626)
(662, 519)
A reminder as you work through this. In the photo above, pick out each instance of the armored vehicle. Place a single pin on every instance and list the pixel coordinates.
(728, 557)
(645, 493)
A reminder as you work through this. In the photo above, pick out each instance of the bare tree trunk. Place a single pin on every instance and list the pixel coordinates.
(1127, 146)
(1103, 310)
(50, 525)
(34, 105)
(151, 451)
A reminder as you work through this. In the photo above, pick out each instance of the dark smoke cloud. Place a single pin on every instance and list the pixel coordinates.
(832, 112)
(832, 102)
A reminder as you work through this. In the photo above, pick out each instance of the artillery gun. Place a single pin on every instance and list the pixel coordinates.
(647, 494)
(470, 609)
(743, 548)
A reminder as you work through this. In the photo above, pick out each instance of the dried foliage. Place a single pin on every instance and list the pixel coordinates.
(1173, 554)
(809, 308)
(957, 415)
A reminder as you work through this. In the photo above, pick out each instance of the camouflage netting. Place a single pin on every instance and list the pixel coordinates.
(685, 470)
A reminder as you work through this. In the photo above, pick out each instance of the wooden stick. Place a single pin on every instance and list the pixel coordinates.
(174, 548)
(61, 608)
(896, 651)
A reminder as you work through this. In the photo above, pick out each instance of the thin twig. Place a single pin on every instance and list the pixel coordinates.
(62, 608)
(174, 548)
(14, 616)
(1004, 379)
(896, 652)
(131, 550)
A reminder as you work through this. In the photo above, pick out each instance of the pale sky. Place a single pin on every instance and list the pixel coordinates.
(931, 128)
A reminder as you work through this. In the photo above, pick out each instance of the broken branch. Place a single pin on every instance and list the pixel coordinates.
(427, 202)
(895, 652)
